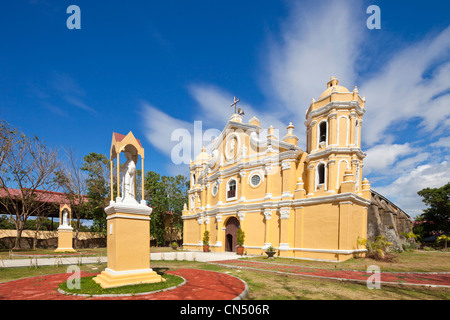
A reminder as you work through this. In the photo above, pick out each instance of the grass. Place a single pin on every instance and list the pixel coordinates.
(9, 274)
(272, 286)
(90, 287)
(414, 261)
(5, 253)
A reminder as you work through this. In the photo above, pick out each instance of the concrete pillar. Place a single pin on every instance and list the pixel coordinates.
(288, 171)
(267, 218)
(128, 246)
(284, 231)
(310, 180)
(269, 172)
(352, 129)
(243, 185)
(332, 132)
(332, 175)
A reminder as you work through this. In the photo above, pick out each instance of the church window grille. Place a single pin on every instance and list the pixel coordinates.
(255, 180)
(231, 190)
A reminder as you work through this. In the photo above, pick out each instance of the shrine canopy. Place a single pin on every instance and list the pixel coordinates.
(122, 143)
(127, 144)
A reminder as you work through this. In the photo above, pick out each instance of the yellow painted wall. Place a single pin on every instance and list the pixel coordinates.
(254, 236)
(320, 226)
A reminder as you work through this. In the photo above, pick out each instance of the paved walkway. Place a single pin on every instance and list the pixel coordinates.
(199, 285)
(432, 279)
(74, 259)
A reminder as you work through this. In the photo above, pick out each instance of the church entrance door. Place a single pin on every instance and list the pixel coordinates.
(230, 234)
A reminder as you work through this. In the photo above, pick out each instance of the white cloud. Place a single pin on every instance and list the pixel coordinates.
(215, 108)
(403, 191)
(319, 40)
(401, 91)
(159, 126)
(61, 91)
(442, 142)
(214, 103)
(381, 156)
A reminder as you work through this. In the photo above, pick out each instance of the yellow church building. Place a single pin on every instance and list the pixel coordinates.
(307, 204)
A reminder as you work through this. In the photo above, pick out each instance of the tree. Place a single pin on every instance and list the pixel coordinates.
(5, 222)
(27, 167)
(157, 199)
(73, 182)
(436, 218)
(166, 195)
(96, 165)
(176, 189)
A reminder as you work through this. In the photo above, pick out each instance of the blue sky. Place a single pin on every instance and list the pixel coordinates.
(154, 66)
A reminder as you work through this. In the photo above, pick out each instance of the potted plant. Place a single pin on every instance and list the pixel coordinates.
(206, 241)
(240, 238)
(174, 245)
(270, 252)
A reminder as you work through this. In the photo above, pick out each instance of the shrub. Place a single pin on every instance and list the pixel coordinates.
(409, 246)
(443, 238)
(410, 236)
(240, 237)
(206, 238)
(174, 245)
(378, 249)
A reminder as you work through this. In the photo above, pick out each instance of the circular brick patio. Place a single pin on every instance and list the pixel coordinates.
(199, 285)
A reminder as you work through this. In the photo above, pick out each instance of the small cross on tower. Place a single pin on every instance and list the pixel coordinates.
(235, 103)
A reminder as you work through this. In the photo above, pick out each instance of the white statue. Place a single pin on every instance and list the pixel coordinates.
(65, 221)
(128, 179)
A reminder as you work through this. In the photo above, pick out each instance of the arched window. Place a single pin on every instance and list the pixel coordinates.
(321, 173)
(231, 189)
(323, 131)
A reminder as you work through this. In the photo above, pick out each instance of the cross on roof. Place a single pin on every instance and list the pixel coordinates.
(235, 103)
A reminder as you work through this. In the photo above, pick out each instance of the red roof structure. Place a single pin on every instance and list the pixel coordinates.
(42, 196)
(119, 137)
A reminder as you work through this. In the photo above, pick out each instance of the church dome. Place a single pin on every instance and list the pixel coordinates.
(203, 156)
(333, 85)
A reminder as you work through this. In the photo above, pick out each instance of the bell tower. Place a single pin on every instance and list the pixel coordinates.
(333, 130)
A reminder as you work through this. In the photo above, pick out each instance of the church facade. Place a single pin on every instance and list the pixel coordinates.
(307, 204)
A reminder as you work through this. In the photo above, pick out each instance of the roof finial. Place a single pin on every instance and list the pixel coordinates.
(235, 103)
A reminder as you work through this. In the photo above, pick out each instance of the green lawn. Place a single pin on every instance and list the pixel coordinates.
(90, 287)
(414, 261)
(5, 253)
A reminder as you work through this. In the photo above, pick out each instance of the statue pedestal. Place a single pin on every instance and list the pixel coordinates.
(65, 235)
(128, 246)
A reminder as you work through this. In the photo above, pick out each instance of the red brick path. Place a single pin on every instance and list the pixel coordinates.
(418, 278)
(200, 285)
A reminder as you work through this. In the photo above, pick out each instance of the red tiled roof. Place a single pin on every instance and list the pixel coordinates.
(44, 196)
(119, 137)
